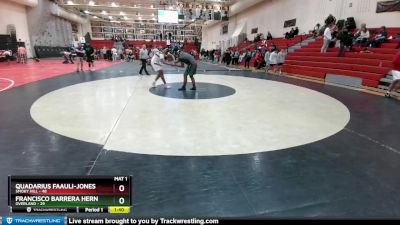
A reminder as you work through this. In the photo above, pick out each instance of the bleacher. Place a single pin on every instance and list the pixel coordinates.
(281, 43)
(370, 67)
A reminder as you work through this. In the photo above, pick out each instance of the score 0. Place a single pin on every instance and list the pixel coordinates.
(122, 186)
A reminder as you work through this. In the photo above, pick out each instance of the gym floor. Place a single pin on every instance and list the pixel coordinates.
(244, 144)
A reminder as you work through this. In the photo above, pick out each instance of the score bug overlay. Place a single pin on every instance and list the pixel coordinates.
(86, 194)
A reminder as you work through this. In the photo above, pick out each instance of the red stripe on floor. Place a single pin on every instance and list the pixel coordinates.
(34, 71)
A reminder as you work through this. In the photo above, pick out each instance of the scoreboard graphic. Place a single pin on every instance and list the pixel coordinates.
(67, 194)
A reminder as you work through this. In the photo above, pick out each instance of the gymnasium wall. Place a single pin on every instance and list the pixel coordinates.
(46, 29)
(271, 14)
(13, 13)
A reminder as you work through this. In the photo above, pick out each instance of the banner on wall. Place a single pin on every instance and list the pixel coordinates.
(289, 23)
(388, 6)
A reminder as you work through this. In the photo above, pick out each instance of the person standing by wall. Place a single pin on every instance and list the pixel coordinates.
(281, 60)
(273, 59)
(144, 56)
(247, 59)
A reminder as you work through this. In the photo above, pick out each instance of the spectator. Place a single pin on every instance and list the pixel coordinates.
(287, 35)
(236, 56)
(203, 52)
(242, 56)
(259, 59)
(362, 36)
(273, 46)
(80, 54)
(281, 60)
(98, 53)
(22, 55)
(257, 38)
(316, 32)
(379, 38)
(227, 57)
(263, 49)
(327, 38)
(247, 58)
(108, 55)
(121, 54)
(346, 40)
(330, 20)
(269, 36)
(291, 33)
(396, 76)
(217, 56)
(114, 54)
(267, 60)
(273, 60)
(296, 31)
(104, 52)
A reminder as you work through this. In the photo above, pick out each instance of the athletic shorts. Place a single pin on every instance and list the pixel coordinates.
(79, 59)
(89, 59)
(395, 74)
(156, 68)
(191, 70)
(280, 64)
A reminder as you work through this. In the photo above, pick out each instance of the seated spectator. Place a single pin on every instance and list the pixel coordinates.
(362, 36)
(7, 54)
(269, 36)
(316, 31)
(291, 33)
(296, 31)
(287, 35)
(379, 38)
(346, 40)
(257, 38)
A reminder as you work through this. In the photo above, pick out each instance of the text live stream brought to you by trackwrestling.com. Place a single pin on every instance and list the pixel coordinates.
(61, 220)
